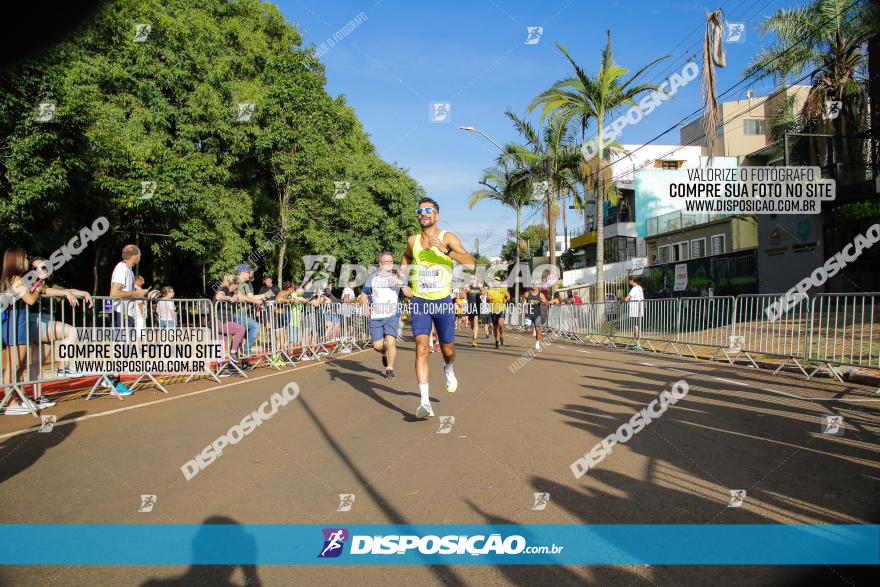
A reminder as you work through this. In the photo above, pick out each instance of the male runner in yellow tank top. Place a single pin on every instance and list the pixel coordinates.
(432, 254)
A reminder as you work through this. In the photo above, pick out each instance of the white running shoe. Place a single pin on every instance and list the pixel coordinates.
(42, 402)
(451, 381)
(16, 410)
(424, 412)
(537, 345)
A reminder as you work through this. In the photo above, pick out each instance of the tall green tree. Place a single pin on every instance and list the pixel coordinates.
(828, 39)
(165, 107)
(594, 100)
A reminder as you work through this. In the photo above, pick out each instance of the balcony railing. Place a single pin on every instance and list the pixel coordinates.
(590, 225)
(676, 221)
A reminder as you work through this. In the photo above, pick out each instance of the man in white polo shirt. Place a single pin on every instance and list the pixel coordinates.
(122, 286)
(382, 291)
(636, 308)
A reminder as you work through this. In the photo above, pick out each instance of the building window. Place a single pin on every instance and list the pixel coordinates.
(718, 244)
(754, 126)
(679, 252)
(664, 253)
(698, 248)
(670, 164)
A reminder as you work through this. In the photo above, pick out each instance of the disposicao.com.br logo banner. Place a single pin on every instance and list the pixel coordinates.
(558, 544)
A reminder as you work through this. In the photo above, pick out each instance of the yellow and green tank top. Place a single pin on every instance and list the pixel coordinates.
(432, 271)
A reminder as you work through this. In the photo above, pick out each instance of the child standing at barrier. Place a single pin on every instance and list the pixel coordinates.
(165, 309)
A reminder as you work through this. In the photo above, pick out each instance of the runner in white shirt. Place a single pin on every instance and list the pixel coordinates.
(382, 291)
(636, 308)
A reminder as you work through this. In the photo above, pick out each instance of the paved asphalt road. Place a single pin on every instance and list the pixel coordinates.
(352, 431)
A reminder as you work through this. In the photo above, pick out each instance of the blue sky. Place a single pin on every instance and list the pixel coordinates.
(406, 55)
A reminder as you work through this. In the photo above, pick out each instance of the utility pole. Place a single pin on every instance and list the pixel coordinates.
(477, 246)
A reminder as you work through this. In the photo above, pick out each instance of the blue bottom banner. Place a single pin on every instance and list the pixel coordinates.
(271, 544)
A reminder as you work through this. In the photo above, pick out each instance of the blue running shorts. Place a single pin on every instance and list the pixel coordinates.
(440, 313)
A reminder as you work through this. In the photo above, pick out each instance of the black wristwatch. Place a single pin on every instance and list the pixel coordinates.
(448, 250)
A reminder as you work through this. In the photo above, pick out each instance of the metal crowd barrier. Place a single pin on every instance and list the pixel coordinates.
(706, 322)
(278, 333)
(785, 337)
(844, 330)
(812, 335)
(274, 333)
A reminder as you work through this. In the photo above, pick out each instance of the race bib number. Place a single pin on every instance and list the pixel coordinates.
(430, 279)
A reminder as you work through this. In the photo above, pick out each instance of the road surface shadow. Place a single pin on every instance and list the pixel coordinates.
(444, 575)
(23, 450)
(215, 575)
(351, 373)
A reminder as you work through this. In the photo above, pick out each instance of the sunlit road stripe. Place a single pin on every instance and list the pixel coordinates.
(731, 381)
(820, 399)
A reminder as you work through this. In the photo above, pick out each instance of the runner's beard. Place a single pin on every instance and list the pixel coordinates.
(430, 222)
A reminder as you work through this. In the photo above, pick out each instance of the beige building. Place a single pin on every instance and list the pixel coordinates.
(746, 122)
(677, 237)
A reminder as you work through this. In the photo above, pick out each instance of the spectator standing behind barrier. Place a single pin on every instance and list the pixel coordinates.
(348, 296)
(165, 309)
(140, 316)
(244, 273)
(636, 308)
(331, 306)
(274, 317)
(20, 327)
(227, 297)
(269, 287)
(122, 286)
(52, 330)
(291, 305)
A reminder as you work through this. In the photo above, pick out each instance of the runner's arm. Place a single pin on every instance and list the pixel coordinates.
(406, 260)
(456, 251)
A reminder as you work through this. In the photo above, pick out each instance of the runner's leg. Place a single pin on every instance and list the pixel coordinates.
(390, 349)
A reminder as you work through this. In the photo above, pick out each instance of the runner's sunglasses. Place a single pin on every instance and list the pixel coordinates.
(425, 211)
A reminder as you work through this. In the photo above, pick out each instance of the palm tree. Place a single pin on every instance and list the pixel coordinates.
(589, 99)
(505, 186)
(825, 38)
(542, 163)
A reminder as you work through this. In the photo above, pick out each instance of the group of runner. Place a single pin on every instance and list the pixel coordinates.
(425, 276)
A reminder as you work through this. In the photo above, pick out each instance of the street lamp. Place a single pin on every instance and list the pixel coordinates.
(474, 129)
